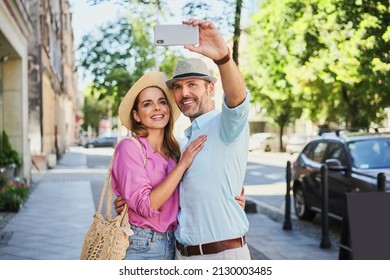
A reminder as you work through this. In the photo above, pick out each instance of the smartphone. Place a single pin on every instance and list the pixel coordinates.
(176, 34)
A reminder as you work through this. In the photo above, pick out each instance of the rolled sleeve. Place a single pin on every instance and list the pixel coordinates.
(233, 120)
(130, 178)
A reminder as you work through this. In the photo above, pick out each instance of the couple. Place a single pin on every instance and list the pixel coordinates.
(210, 222)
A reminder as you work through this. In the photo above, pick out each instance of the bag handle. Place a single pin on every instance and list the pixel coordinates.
(110, 191)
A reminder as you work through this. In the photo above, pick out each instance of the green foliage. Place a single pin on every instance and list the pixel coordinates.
(227, 19)
(94, 110)
(12, 193)
(270, 45)
(115, 56)
(330, 57)
(7, 154)
(169, 62)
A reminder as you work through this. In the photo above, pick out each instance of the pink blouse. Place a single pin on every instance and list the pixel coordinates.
(134, 181)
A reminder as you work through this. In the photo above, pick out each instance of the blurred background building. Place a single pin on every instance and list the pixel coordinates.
(40, 106)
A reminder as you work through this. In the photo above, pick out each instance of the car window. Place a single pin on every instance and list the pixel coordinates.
(336, 151)
(371, 153)
(316, 151)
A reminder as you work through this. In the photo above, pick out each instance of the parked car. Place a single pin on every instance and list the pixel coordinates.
(353, 160)
(102, 141)
(295, 143)
(264, 141)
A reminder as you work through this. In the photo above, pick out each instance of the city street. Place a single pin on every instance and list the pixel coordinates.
(265, 187)
(68, 195)
(265, 180)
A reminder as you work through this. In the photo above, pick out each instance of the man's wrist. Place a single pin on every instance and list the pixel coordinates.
(224, 59)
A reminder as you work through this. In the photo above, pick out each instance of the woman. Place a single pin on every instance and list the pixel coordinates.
(150, 189)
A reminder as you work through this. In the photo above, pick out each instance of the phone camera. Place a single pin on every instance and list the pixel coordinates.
(160, 41)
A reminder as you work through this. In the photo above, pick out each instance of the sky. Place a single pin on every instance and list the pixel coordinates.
(86, 17)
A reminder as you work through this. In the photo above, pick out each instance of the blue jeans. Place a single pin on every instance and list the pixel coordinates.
(147, 244)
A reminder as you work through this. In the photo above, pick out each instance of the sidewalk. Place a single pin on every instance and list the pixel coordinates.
(58, 213)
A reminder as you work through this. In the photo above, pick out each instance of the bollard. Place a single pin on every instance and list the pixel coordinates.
(325, 240)
(381, 182)
(287, 211)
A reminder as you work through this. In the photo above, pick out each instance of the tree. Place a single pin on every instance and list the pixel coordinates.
(350, 61)
(362, 62)
(270, 47)
(326, 58)
(117, 54)
(228, 19)
(94, 110)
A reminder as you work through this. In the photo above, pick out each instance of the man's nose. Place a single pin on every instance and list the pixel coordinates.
(185, 91)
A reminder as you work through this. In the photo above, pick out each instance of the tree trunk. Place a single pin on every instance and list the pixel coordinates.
(237, 30)
(281, 147)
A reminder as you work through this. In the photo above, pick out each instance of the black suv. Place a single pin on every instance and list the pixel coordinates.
(354, 161)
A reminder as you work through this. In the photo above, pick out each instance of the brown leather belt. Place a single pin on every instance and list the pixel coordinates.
(210, 248)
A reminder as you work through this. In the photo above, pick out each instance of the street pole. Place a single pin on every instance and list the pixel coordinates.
(287, 213)
(325, 240)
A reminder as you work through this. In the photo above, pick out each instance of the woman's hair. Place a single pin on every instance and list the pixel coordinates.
(170, 144)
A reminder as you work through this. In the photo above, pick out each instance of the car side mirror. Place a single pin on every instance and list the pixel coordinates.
(335, 165)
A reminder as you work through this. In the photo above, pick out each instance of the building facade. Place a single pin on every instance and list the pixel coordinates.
(15, 28)
(54, 101)
(39, 102)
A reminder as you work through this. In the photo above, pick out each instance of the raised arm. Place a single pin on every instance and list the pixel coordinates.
(213, 46)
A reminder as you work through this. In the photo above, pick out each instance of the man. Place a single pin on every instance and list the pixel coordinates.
(212, 225)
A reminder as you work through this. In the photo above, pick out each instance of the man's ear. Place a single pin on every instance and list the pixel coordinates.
(211, 88)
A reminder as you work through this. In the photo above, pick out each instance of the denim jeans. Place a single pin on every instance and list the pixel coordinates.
(147, 244)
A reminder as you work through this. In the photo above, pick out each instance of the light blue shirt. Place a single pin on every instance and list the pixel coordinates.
(208, 209)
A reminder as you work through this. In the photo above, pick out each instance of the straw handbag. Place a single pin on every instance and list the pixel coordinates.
(107, 237)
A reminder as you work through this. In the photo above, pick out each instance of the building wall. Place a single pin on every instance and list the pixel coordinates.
(14, 30)
(49, 113)
(54, 99)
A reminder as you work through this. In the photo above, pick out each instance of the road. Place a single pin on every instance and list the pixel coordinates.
(265, 184)
(265, 179)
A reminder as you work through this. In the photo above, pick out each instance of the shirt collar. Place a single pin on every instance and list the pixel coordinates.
(199, 122)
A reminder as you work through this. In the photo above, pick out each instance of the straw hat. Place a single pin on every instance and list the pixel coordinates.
(191, 68)
(150, 79)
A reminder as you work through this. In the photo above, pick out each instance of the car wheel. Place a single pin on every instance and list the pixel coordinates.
(90, 145)
(301, 208)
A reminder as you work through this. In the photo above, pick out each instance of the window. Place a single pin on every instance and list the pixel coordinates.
(336, 151)
(373, 153)
(315, 151)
